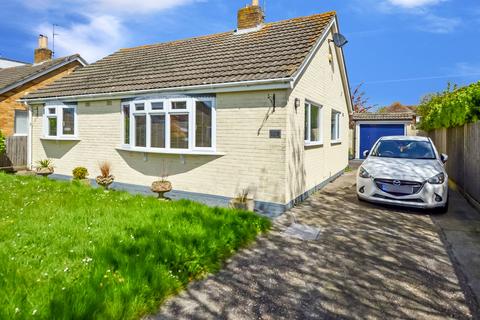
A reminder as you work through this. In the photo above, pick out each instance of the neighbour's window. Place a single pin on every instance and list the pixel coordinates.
(180, 124)
(335, 125)
(313, 123)
(21, 122)
(60, 121)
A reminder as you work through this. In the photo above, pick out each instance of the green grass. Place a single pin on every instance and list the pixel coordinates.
(71, 252)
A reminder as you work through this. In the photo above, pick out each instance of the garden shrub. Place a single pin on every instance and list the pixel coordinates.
(451, 108)
(80, 173)
(3, 146)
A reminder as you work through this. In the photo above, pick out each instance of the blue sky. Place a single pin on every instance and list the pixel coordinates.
(401, 49)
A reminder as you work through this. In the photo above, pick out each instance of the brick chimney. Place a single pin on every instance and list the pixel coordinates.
(42, 53)
(251, 16)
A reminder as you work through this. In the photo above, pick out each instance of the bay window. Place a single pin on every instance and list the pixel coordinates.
(335, 126)
(60, 121)
(313, 124)
(169, 125)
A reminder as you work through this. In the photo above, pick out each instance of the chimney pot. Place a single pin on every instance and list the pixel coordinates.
(42, 53)
(42, 42)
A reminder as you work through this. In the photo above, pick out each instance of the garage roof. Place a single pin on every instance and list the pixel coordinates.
(371, 116)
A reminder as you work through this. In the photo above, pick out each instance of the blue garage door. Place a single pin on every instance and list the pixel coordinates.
(370, 133)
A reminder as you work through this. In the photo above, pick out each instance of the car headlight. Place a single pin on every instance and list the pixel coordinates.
(364, 173)
(438, 179)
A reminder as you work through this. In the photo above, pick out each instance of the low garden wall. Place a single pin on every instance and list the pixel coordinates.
(462, 145)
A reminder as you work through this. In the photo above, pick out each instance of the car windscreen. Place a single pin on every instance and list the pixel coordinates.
(404, 149)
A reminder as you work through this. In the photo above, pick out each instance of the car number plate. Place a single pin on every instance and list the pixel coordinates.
(397, 189)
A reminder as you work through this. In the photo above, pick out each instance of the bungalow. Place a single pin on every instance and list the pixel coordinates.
(264, 108)
(18, 79)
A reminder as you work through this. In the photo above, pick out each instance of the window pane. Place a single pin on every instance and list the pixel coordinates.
(52, 126)
(314, 123)
(126, 124)
(141, 131)
(52, 110)
(179, 105)
(21, 122)
(139, 106)
(335, 125)
(179, 131)
(307, 106)
(157, 105)
(68, 121)
(157, 129)
(203, 124)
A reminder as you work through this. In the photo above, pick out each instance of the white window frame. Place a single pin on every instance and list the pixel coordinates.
(338, 126)
(167, 111)
(59, 115)
(308, 141)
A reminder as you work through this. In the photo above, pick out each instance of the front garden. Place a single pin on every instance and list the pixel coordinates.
(70, 251)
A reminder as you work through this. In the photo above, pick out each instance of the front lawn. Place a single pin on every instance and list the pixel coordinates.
(68, 251)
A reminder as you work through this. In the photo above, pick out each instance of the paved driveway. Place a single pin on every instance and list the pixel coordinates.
(369, 262)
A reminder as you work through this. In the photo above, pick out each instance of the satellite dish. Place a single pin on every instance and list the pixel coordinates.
(339, 40)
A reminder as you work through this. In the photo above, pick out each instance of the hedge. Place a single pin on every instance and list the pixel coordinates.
(451, 108)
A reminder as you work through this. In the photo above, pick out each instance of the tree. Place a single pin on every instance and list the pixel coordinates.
(360, 102)
(2, 143)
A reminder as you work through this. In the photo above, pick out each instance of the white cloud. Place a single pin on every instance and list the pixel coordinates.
(104, 30)
(409, 4)
(436, 24)
(102, 35)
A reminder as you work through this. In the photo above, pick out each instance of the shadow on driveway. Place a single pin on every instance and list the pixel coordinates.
(369, 262)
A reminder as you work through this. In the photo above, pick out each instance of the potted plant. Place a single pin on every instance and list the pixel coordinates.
(44, 167)
(242, 201)
(80, 174)
(105, 179)
(162, 186)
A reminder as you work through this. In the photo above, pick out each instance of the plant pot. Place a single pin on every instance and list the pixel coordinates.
(44, 172)
(105, 182)
(161, 187)
(247, 205)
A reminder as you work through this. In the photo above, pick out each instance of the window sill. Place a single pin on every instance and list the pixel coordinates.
(186, 152)
(335, 142)
(313, 144)
(60, 138)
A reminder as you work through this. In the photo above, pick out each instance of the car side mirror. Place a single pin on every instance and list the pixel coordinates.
(366, 153)
(444, 158)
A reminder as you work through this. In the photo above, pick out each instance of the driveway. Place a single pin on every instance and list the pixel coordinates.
(369, 262)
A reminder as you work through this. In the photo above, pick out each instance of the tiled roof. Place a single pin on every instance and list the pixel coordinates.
(13, 75)
(369, 116)
(275, 51)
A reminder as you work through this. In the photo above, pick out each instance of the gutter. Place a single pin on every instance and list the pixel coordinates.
(268, 84)
(281, 83)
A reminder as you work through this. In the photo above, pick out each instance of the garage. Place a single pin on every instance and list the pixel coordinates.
(369, 127)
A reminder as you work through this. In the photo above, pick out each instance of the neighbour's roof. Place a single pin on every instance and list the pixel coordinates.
(275, 51)
(15, 75)
(370, 116)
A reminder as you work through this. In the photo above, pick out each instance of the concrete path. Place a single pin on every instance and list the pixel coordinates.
(370, 262)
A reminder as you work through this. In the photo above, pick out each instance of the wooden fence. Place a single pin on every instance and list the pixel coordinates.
(462, 145)
(15, 157)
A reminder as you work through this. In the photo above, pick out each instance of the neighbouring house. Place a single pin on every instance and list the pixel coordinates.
(263, 108)
(368, 127)
(18, 79)
(7, 63)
